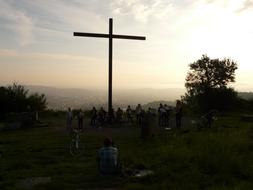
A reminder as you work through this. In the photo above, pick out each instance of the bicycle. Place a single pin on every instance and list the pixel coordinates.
(75, 147)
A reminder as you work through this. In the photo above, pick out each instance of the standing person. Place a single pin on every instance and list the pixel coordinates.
(93, 117)
(111, 116)
(69, 120)
(179, 110)
(80, 120)
(119, 115)
(167, 119)
(138, 114)
(160, 115)
(129, 114)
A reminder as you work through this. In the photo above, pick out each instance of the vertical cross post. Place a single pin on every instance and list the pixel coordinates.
(110, 36)
(110, 68)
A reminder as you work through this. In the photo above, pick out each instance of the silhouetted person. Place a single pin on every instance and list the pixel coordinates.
(129, 114)
(69, 118)
(150, 111)
(101, 116)
(161, 115)
(119, 115)
(179, 110)
(111, 116)
(80, 119)
(210, 117)
(138, 111)
(108, 158)
(167, 116)
(93, 116)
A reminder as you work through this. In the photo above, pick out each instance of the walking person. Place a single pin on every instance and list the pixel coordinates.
(179, 110)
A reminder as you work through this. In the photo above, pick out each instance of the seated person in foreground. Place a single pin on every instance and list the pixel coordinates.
(108, 158)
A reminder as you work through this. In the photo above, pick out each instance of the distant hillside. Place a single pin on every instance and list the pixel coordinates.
(60, 98)
(156, 104)
(246, 95)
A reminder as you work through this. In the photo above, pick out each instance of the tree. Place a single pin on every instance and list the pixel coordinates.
(16, 98)
(37, 102)
(207, 84)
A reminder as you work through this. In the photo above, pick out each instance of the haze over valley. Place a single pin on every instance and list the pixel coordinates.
(61, 98)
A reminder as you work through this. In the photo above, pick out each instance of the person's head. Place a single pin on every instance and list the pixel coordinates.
(93, 108)
(107, 142)
(128, 106)
(161, 105)
(69, 109)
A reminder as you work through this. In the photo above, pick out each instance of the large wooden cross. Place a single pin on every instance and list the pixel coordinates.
(110, 36)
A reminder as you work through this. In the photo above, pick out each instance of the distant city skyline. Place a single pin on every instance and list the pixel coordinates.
(38, 48)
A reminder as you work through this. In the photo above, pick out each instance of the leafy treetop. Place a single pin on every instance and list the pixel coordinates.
(208, 73)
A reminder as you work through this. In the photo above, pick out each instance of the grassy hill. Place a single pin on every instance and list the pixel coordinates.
(218, 158)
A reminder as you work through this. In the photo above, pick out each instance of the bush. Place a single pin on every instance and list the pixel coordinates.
(15, 99)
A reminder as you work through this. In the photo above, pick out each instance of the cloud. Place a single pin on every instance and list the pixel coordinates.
(10, 53)
(141, 10)
(40, 21)
(17, 21)
(248, 4)
(63, 15)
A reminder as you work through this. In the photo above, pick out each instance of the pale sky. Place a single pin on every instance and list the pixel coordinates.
(38, 48)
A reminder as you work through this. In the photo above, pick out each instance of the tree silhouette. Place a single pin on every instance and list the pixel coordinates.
(15, 98)
(207, 83)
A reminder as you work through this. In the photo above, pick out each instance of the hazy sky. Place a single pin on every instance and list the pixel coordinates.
(38, 48)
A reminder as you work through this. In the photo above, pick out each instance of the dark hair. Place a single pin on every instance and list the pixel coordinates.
(107, 142)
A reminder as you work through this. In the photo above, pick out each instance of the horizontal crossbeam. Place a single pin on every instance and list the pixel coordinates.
(97, 35)
(129, 37)
(91, 35)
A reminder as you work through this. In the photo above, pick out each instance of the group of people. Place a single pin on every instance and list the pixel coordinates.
(100, 117)
(107, 159)
(164, 114)
(70, 118)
